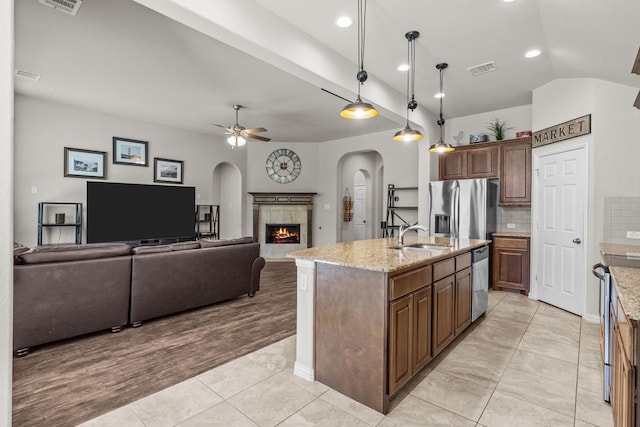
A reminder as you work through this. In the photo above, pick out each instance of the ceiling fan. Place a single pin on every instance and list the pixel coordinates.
(240, 133)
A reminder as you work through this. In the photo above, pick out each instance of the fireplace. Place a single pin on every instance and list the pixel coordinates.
(293, 211)
(282, 233)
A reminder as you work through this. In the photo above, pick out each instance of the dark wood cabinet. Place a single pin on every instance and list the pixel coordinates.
(422, 329)
(400, 342)
(463, 301)
(482, 163)
(509, 160)
(409, 325)
(443, 313)
(453, 165)
(622, 368)
(511, 263)
(515, 173)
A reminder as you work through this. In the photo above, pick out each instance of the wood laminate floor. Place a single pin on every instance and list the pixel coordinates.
(69, 382)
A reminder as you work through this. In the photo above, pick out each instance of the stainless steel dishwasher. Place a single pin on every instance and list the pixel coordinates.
(479, 281)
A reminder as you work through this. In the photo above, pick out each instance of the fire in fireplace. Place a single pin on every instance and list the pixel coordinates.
(282, 233)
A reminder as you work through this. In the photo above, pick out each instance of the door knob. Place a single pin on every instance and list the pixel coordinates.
(577, 241)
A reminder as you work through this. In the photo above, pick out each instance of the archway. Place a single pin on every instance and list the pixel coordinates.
(227, 192)
(360, 172)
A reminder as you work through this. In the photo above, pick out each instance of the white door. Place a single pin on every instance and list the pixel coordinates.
(560, 206)
(360, 212)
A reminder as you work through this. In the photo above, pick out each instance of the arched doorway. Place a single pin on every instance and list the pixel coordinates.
(227, 192)
(360, 174)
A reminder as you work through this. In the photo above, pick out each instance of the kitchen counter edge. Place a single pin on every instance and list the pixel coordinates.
(377, 254)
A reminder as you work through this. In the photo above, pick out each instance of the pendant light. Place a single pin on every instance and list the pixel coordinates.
(358, 109)
(407, 134)
(441, 146)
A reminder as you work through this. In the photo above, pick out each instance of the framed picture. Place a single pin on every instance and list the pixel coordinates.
(165, 170)
(130, 152)
(84, 163)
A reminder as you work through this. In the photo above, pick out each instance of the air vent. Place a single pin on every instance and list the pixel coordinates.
(482, 68)
(67, 6)
(27, 75)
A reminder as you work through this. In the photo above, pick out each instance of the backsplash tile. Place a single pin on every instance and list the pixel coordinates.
(621, 214)
(520, 216)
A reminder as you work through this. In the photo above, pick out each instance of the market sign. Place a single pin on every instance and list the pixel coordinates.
(566, 130)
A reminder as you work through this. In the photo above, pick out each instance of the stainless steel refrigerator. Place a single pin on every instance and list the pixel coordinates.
(467, 209)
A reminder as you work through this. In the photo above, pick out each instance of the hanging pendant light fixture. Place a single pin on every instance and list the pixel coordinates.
(441, 146)
(358, 109)
(407, 134)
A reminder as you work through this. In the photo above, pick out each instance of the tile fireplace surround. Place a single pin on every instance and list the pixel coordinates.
(282, 208)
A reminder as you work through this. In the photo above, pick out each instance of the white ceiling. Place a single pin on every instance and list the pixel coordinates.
(273, 56)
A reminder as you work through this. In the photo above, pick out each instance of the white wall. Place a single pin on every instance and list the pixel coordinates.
(6, 214)
(400, 162)
(43, 129)
(614, 148)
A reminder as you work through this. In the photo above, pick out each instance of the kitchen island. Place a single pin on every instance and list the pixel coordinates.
(371, 314)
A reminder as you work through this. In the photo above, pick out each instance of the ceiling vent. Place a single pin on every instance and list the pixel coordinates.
(482, 68)
(67, 6)
(27, 75)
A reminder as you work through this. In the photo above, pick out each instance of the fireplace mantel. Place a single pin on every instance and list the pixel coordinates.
(290, 199)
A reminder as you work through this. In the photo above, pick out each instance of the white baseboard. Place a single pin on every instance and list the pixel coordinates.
(303, 371)
(591, 318)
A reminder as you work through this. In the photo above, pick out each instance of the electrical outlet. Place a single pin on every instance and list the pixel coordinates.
(34, 190)
(303, 283)
(633, 234)
(511, 225)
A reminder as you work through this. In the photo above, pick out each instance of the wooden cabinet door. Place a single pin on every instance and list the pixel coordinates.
(515, 174)
(511, 264)
(482, 163)
(463, 300)
(452, 165)
(443, 313)
(400, 342)
(421, 328)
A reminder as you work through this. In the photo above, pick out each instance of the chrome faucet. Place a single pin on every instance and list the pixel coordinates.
(404, 230)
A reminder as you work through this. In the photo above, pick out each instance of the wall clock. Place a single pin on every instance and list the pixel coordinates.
(283, 166)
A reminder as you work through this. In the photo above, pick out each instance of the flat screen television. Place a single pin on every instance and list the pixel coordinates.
(139, 213)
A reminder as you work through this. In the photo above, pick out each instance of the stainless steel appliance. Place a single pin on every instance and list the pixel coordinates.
(479, 281)
(466, 208)
(601, 271)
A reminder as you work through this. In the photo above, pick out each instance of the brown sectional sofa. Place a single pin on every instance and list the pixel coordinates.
(64, 291)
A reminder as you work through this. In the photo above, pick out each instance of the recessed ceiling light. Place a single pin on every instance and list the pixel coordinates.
(403, 67)
(532, 53)
(508, 1)
(344, 22)
(439, 95)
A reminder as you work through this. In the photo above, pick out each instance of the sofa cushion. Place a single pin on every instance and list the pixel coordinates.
(208, 243)
(151, 249)
(69, 252)
(183, 246)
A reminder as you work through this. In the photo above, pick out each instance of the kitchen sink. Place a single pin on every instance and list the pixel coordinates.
(420, 247)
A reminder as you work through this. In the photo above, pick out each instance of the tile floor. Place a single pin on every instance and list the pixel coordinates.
(526, 363)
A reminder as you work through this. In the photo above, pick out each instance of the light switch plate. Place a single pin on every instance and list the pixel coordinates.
(633, 234)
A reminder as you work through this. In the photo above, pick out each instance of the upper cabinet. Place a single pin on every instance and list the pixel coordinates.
(509, 160)
(515, 173)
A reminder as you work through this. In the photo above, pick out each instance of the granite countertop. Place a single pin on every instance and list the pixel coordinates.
(620, 258)
(627, 282)
(511, 234)
(377, 255)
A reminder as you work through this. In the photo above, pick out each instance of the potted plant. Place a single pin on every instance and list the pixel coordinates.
(498, 128)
